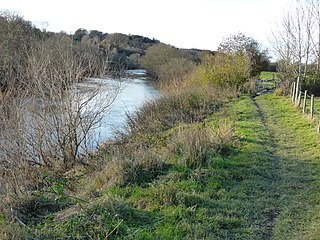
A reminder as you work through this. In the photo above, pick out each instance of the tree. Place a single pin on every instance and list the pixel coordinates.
(226, 70)
(115, 41)
(296, 43)
(79, 34)
(46, 119)
(17, 36)
(249, 47)
(167, 63)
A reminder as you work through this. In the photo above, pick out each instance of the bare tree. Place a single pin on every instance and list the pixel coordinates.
(296, 40)
(17, 37)
(47, 121)
(315, 5)
(64, 107)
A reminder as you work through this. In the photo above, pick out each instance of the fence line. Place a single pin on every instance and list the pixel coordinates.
(296, 95)
(304, 101)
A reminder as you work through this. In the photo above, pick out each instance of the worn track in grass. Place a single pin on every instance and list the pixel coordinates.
(275, 174)
(291, 146)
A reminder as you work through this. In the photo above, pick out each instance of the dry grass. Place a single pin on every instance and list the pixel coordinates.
(139, 160)
(134, 159)
(181, 107)
(196, 145)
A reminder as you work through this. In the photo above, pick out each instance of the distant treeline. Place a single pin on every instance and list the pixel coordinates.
(20, 39)
(96, 53)
(28, 52)
(129, 51)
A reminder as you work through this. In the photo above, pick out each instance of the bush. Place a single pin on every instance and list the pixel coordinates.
(167, 63)
(230, 71)
(280, 91)
(183, 107)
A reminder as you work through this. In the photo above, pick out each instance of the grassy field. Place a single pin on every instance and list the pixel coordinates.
(247, 170)
(265, 75)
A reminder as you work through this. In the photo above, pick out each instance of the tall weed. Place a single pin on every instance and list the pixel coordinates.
(197, 145)
(182, 107)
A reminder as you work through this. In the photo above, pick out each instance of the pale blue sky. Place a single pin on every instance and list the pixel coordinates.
(182, 23)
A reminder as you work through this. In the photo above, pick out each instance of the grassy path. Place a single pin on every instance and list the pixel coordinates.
(292, 149)
(275, 173)
(272, 168)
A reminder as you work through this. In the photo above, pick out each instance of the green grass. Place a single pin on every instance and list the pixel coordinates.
(267, 80)
(259, 182)
(316, 106)
(308, 107)
(296, 148)
(265, 75)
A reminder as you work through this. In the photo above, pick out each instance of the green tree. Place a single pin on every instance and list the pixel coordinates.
(227, 70)
(249, 47)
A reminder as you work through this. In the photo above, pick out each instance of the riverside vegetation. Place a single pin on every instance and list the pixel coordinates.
(245, 171)
(208, 160)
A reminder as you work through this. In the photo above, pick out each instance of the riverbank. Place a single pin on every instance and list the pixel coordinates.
(195, 167)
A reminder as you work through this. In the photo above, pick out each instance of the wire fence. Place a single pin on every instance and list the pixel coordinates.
(307, 102)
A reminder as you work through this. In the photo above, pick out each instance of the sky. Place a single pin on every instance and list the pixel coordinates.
(201, 24)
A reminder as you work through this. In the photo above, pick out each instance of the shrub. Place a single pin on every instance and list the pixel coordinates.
(228, 70)
(184, 107)
(280, 91)
(167, 63)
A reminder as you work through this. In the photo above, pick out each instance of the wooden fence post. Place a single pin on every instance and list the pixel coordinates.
(293, 91)
(312, 106)
(304, 101)
(297, 89)
(298, 103)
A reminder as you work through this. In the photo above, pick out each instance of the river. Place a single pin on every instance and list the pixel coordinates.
(52, 129)
(134, 92)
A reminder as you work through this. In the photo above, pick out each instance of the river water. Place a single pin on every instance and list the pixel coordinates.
(134, 92)
(45, 130)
